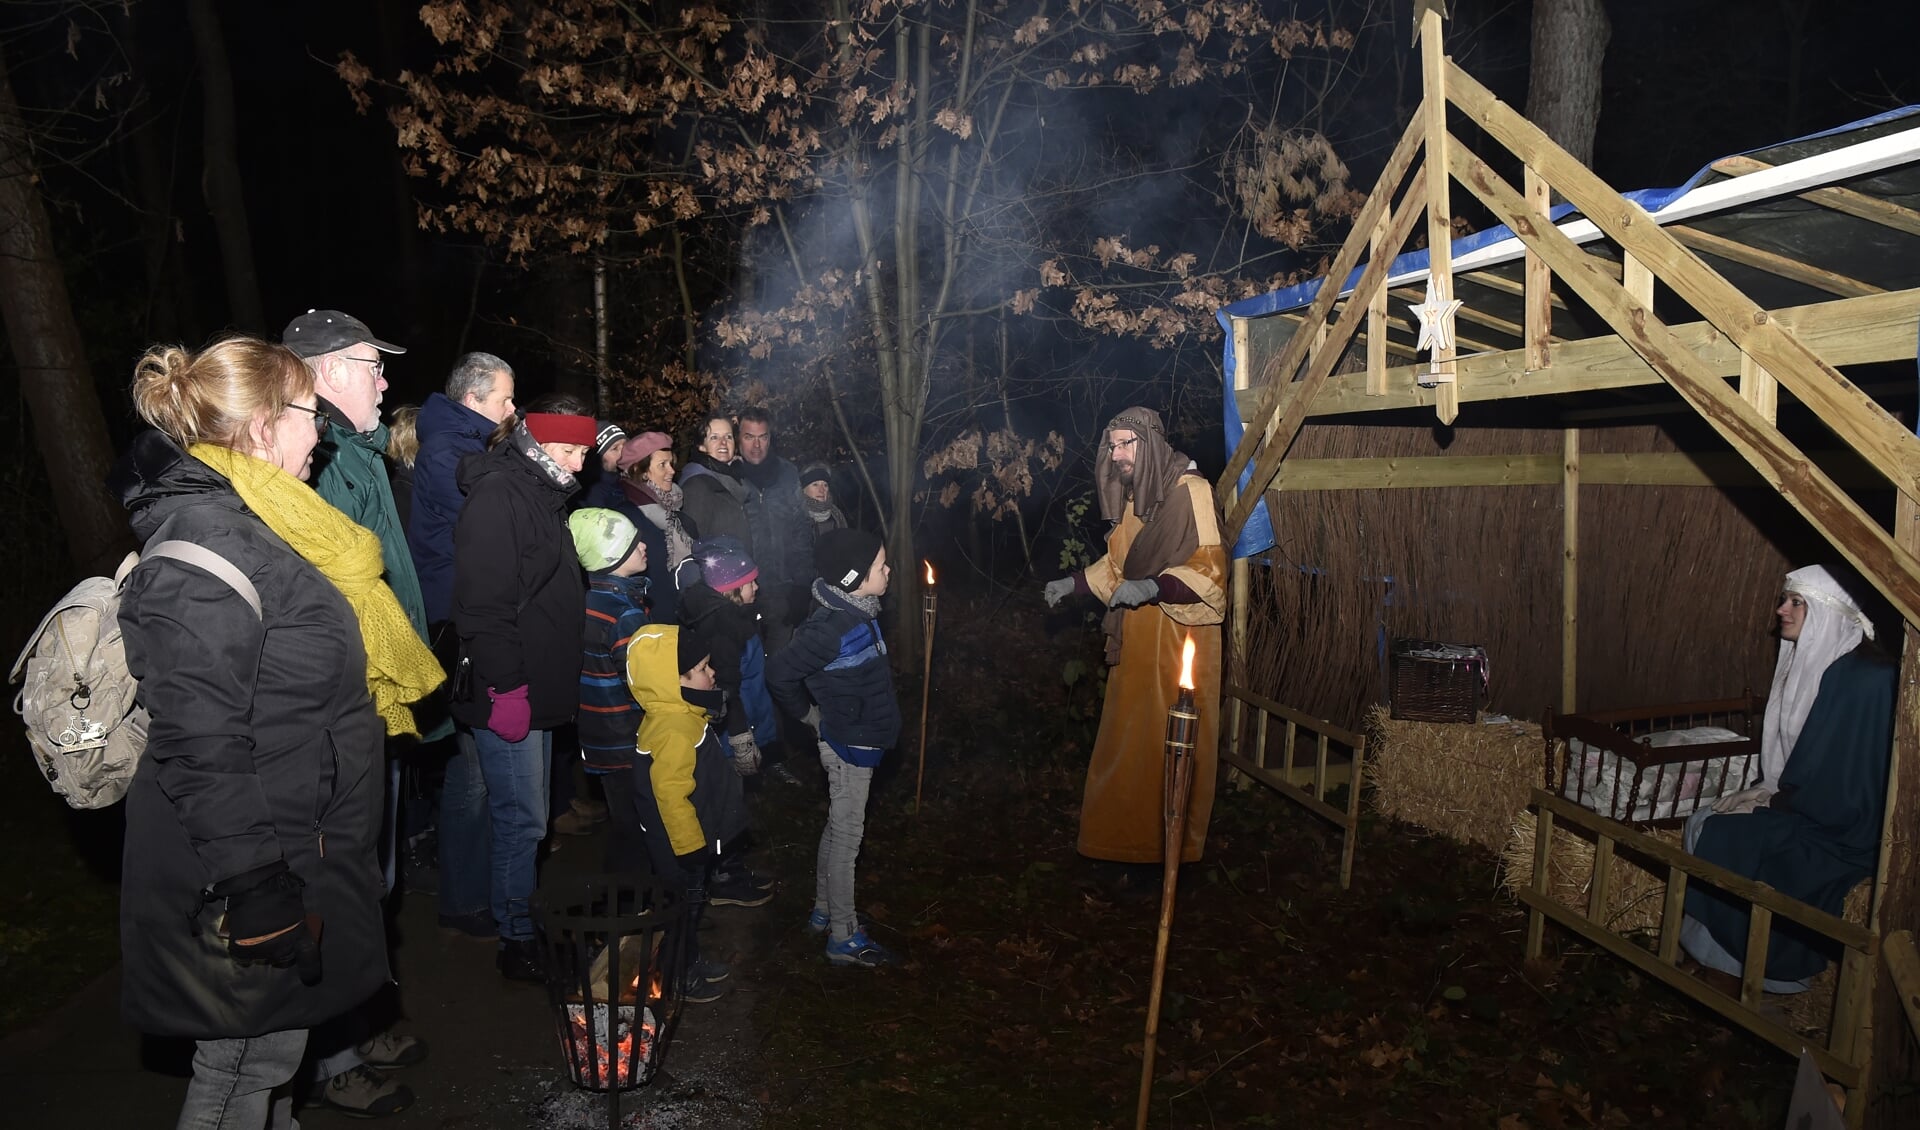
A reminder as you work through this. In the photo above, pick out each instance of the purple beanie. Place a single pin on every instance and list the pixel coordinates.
(724, 564)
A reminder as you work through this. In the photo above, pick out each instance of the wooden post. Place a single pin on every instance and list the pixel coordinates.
(1542, 849)
(1570, 571)
(1377, 316)
(1895, 1056)
(1637, 279)
(1538, 295)
(1758, 388)
(1446, 395)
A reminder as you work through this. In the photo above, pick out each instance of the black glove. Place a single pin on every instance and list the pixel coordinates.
(266, 901)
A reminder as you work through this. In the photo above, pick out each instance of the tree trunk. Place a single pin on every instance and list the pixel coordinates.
(68, 422)
(226, 198)
(1563, 81)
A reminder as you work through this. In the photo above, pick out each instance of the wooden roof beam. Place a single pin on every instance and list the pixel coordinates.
(1469, 314)
(1856, 204)
(1845, 331)
(1854, 417)
(1504, 285)
(1809, 490)
(1806, 274)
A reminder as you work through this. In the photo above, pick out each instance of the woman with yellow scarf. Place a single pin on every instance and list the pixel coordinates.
(250, 895)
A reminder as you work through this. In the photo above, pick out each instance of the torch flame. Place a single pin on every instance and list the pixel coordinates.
(1186, 664)
(929, 566)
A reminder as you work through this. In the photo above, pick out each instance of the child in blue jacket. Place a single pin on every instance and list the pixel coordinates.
(834, 674)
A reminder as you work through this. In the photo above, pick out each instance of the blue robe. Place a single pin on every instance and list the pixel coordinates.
(1822, 834)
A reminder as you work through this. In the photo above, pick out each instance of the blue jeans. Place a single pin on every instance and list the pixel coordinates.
(517, 776)
(242, 1084)
(465, 832)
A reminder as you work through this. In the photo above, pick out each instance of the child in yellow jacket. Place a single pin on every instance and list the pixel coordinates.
(680, 759)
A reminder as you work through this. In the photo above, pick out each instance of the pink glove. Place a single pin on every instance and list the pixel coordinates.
(512, 716)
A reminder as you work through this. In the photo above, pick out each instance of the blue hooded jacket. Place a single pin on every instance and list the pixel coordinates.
(449, 432)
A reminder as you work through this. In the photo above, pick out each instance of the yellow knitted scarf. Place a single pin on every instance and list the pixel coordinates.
(400, 668)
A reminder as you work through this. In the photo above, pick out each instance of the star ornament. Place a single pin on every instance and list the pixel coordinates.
(1436, 320)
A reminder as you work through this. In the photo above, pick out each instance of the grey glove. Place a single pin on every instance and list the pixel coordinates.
(1057, 591)
(1133, 594)
(746, 754)
(811, 719)
(1746, 800)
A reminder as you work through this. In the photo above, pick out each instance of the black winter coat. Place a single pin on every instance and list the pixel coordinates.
(264, 746)
(714, 501)
(782, 532)
(518, 594)
(725, 627)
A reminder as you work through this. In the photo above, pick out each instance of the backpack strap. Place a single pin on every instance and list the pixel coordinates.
(193, 553)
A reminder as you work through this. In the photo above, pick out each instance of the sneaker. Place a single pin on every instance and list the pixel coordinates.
(694, 990)
(391, 1049)
(741, 875)
(479, 924)
(365, 1093)
(519, 960)
(733, 892)
(860, 950)
(712, 972)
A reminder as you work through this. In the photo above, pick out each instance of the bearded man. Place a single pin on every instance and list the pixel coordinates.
(1162, 579)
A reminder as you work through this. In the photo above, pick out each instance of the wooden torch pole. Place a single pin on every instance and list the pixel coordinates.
(1183, 723)
(929, 616)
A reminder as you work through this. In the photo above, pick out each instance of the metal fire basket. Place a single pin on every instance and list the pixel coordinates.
(613, 948)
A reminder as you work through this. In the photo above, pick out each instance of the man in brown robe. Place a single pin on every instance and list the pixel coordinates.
(1162, 579)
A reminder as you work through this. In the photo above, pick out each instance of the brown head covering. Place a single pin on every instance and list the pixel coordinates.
(1156, 472)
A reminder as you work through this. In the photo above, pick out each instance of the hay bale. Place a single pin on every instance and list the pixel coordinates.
(1464, 781)
(1634, 894)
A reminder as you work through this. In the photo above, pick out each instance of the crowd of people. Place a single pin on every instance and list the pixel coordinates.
(458, 607)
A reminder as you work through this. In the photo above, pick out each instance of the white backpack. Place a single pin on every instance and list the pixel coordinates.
(80, 703)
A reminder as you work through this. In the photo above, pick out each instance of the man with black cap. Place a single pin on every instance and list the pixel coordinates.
(349, 470)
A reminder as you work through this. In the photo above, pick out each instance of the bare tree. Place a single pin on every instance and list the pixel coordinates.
(226, 196)
(68, 421)
(1563, 82)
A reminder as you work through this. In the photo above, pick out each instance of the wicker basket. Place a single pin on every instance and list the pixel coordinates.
(1437, 682)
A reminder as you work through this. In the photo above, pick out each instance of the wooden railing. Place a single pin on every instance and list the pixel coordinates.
(1843, 1057)
(1328, 740)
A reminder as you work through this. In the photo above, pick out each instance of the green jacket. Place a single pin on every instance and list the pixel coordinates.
(350, 471)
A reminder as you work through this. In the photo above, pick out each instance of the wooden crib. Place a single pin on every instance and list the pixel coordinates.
(1606, 761)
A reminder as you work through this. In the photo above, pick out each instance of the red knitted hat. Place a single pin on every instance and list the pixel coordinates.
(551, 427)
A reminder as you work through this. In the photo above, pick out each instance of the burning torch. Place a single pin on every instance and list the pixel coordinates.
(929, 616)
(1183, 723)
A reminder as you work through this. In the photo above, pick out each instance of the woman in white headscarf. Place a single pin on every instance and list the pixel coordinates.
(1809, 826)
(1819, 623)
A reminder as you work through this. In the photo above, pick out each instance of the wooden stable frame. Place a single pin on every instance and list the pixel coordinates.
(1842, 1058)
(1799, 349)
(1313, 797)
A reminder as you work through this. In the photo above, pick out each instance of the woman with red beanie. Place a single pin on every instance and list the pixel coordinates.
(518, 602)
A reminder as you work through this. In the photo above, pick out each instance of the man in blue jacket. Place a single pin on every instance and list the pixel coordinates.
(451, 427)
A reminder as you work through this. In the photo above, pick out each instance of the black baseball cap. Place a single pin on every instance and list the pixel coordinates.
(323, 331)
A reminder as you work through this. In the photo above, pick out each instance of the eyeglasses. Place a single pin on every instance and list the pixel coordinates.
(320, 420)
(1119, 445)
(377, 364)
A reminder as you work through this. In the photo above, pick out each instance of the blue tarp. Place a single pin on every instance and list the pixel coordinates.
(1257, 535)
